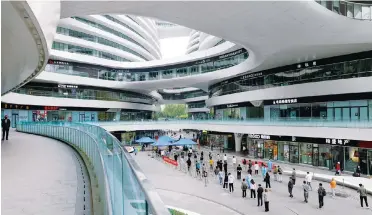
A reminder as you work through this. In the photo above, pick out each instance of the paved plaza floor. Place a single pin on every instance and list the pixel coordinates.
(39, 176)
(181, 190)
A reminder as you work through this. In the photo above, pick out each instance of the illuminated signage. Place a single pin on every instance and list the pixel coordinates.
(250, 75)
(51, 108)
(337, 141)
(284, 101)
(259, 136)
(67, 86)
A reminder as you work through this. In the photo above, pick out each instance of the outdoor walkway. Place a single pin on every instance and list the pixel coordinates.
(184, 191)
(301, 170)
(40, 176)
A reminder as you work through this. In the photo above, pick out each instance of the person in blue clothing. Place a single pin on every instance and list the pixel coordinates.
(248, 179)
(263, 170)
(197, 168)
(270, 165)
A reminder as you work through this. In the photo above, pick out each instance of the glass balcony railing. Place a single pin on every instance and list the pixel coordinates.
(301, 122)
(121, 187)
(355, 10)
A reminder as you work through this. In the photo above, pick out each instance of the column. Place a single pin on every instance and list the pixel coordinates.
(225, 141)
(238, 141)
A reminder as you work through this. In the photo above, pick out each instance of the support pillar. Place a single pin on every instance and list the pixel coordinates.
(238, 141)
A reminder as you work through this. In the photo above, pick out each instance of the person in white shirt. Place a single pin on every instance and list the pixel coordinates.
(266, 199)
(225, 157)
(308, 179)
(231, 182)
(234, 162)
(256, 167)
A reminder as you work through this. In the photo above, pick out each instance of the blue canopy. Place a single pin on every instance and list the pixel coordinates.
(164, 141)
(145, 140)
(183, 142)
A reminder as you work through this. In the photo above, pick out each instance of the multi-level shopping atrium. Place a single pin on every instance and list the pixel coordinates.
(286, 81)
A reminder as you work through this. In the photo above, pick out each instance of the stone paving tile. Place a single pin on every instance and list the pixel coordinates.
(38, 176)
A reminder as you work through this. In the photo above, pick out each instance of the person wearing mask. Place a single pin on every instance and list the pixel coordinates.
(218, 156)
(220, 164)
(280, 174)
(197, 168)
(225, 166)
(308, 179)
(5, 124)
(201, 158)
(259, 195)
(225, 158)
(210, 156)
(333, 187)
(362, 195)
(253, 189)
(244, 188)
(244, 162)
(275, 172)
(266, 199)
(294, 176)
(221, 176)
(231, 182)
(226, 181)
(234, 162)
(321, 194)
(250, 171)
(306, 188)
(239, 172)
(211, 163)
(263, 171)
(256, 167)
(249, 164)
(269, 165)
(267, 180)
(248, 180)
(188, 165)
(290, 187)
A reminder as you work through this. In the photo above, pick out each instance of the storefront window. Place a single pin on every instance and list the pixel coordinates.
(293, 152)
(352, 156)
(271, 150)
(337, 156)
(283, 151)
(306, 154)
(325, 157)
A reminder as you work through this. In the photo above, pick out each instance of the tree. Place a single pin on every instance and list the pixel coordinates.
(173, 110)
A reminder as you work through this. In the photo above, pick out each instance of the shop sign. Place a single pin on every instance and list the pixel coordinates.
(307, 64)
(285, 101)
(67, 86)
(231, 54)
(14, 106)
(51, 108)
(253, 75)
(337, 141)
(231, 105)
(57, 62)
(259, 136)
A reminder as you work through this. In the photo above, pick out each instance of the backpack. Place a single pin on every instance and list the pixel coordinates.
(244, 186)
(322, 192)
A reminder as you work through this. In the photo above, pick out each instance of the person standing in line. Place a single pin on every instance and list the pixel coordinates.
(205, 174)
(249, 171)
(231, 183)
(306, 188)
(210, 156)
(218, 156)
(308, 179)
(197, 168)
(275, 172)
(321, 194)
(362, 195)
(259, 195)
(266, 199)
(220, 176)
(225, 166)
(245, 164)
(239, 172)
(333, 187)
(267, 180)
(250, 164)
(290, 187)
(225, 158)
(188, 165)
(234, 162)
(338, 168)
(253, 189)
(226, 181)
(263, 170)
(280, 173)
(248, 180)
(5, 124)
(294, 176)
(256, 167)
(211, 163)
(244, 188)
(269, 165)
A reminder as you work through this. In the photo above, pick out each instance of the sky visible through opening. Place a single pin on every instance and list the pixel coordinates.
(173, 47)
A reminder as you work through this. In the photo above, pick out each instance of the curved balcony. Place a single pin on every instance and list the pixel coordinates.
(148, 74)
(355, 10)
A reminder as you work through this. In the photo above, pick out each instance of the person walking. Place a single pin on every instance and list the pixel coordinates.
(205, 174)
(333, 187)
(308, 179)
(249, 164)
(197, 168)
(253, 189)
(188, 165)
(225, 158)
(259, 195)
(269, 165)
(256, 167)
(234, 162)
(267, 180)
(362, 195)
(220, 176)
(294, 176)
(231, 183)
(321, 194)
(290, 187)
(248, 180)
(226, 181)
(306, 188)
(249, 171)
(266, 199)
(275, 172)
(244, 188)
(280, 174)
(5, 125)
(338, 168)
(239, 172)
(211, 163)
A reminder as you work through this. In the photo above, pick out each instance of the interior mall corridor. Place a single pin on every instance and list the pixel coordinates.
(42, 176)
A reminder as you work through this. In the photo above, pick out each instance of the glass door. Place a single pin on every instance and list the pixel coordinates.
(14, 120)
(354, 113)
(338, 114)
(346, 114)
(315, 155)
(81, 117)
(293, 153)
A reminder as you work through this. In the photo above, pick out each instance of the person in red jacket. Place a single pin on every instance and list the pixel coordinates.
(338, 168)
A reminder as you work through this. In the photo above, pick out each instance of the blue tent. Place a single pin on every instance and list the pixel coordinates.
(183, 142)
(145, 140)
(164, 141)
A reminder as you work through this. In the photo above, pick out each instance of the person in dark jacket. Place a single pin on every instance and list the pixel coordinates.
(290, 187)
(267, 180)
(259, 195)
(250, 171)
(226, 181)
(5, 124)
(225, 166)
(239, 172)
(321, 194)
(362, 195)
